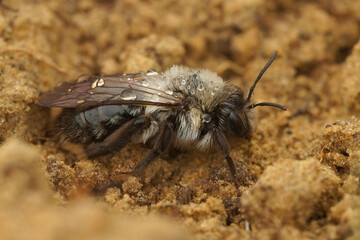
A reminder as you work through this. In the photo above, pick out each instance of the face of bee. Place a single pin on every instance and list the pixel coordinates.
(231, 115)
(236, 116)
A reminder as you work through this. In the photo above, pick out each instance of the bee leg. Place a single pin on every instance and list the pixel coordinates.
(224, 149)
(163, 141)
(120, 138)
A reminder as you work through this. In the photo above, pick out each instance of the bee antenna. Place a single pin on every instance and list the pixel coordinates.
(267, 104)
(260, 75)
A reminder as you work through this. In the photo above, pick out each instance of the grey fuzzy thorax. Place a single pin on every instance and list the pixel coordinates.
(205, 89)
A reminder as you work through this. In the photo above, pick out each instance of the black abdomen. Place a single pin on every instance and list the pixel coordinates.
(95, 124)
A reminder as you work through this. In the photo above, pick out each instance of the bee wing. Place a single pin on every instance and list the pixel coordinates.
(126, 89)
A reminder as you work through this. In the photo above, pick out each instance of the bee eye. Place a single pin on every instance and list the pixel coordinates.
(207, 118)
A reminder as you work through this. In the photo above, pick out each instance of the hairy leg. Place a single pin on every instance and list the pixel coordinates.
(118, 139)
(224, 149)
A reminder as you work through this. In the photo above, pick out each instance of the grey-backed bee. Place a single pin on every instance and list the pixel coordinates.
(177, 109)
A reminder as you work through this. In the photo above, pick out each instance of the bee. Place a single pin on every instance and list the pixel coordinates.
(178, 109)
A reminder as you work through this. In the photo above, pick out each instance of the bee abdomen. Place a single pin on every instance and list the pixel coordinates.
(95, 116)
(94, 124)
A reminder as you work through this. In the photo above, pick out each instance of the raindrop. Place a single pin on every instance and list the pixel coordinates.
(101, 82)
(183, 82)
(207, 118)
(155, 98)
(94, 83)
(212, 92)
(145, 83)
(192, 91)
(200, 87)
(84, 77)
(188, 86)
(151, 72)
(217, 87)
(128, 94)
(169, 92)
(181, 87)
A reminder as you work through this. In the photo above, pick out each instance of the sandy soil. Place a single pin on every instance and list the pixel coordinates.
(304, 163)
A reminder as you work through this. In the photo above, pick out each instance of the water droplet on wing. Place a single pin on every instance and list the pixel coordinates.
(94, 83)
(155, 98)
(169, 92)
(84, 77)
(101, 82)
(151, 72)
(128, 94)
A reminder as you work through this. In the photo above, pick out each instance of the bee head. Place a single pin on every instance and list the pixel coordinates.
(234, 118)
(234, 115)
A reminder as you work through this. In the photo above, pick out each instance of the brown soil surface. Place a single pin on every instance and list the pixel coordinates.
(304, 163)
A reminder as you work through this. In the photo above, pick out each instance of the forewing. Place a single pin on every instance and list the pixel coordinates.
(125, 89)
